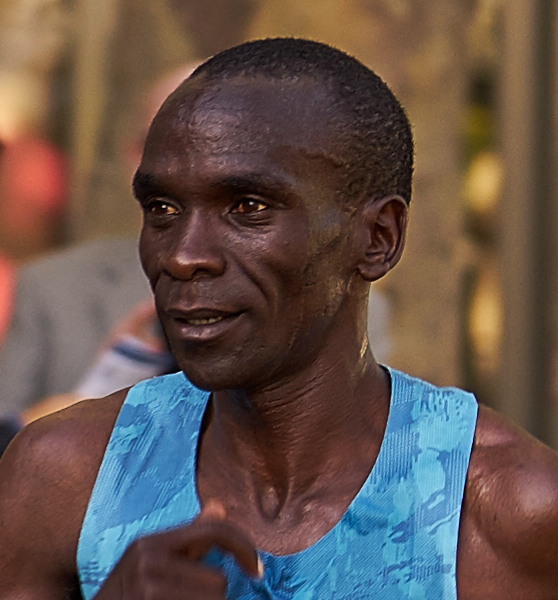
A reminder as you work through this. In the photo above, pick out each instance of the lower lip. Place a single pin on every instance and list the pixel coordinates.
(206, 332)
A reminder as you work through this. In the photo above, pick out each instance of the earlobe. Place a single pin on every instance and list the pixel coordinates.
(384, 223)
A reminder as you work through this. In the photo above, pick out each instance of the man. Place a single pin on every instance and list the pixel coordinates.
(274, 185)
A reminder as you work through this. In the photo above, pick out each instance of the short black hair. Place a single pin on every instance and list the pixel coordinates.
(373, 133)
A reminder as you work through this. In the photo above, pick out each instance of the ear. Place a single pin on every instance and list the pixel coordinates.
(384, 224)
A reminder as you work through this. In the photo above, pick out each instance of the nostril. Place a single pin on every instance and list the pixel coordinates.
(187, 265)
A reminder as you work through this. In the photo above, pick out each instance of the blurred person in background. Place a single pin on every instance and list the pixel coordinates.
(33, 196)
(33, 188)
(7, 291)
(33, 169)
(64, 307)
(67, 310)
(7, 284)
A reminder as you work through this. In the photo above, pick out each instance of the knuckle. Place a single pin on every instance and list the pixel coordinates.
(207, 585)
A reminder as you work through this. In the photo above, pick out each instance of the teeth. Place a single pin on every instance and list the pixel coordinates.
(208, 321)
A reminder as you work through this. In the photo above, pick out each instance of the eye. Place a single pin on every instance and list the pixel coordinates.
(249, 205)
(159, 208)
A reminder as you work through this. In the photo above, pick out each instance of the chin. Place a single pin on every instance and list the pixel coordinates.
(243, 366)
(248, 374)
(215, 376)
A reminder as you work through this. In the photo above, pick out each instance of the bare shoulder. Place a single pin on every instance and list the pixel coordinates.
(509, 526)
(513, 478)
(46, 477)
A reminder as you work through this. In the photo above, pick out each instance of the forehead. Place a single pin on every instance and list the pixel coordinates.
(243, 119)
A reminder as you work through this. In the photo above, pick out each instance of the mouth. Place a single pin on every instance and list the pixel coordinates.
(201, 324)
(206, 321)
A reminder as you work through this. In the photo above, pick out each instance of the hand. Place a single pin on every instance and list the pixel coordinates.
(168, 566)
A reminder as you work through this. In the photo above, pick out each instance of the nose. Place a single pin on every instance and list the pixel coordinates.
(195, 251)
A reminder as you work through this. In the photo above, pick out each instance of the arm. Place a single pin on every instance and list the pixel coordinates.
(46, 478)
(43, 494)
(508, 543)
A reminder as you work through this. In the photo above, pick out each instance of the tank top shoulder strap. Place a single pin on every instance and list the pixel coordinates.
(145, 481)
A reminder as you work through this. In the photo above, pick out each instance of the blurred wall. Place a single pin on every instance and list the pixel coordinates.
(121, 48)
(528, 249)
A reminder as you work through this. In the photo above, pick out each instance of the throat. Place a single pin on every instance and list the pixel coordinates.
(271, 502)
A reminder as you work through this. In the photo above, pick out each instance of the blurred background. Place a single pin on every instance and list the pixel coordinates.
(472, 302)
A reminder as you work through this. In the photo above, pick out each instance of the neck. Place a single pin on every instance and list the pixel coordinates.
(280, 441)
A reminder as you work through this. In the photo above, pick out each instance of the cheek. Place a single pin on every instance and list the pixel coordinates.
(327, 276)
(328, 256)
(300, 278)
(149, 252)
(277, 262)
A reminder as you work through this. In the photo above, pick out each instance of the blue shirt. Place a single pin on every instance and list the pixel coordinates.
(397, 539)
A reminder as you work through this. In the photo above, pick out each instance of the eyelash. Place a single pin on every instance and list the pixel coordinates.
(151, 204)
(248, 209)
(246, 200)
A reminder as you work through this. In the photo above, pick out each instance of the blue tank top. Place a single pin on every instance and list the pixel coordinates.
(397, 540)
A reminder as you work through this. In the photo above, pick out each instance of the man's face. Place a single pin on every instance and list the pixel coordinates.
(246, 247)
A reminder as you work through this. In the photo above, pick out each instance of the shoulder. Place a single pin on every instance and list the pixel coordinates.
(69, 442)
(511, 497)
(73, 435)
(76, 261)
(46, 477)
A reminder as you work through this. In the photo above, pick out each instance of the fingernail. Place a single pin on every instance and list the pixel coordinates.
(261, 570)
(214, 509)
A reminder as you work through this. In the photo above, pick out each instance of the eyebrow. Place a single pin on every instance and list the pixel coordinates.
(145, 183)
(253, 181)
